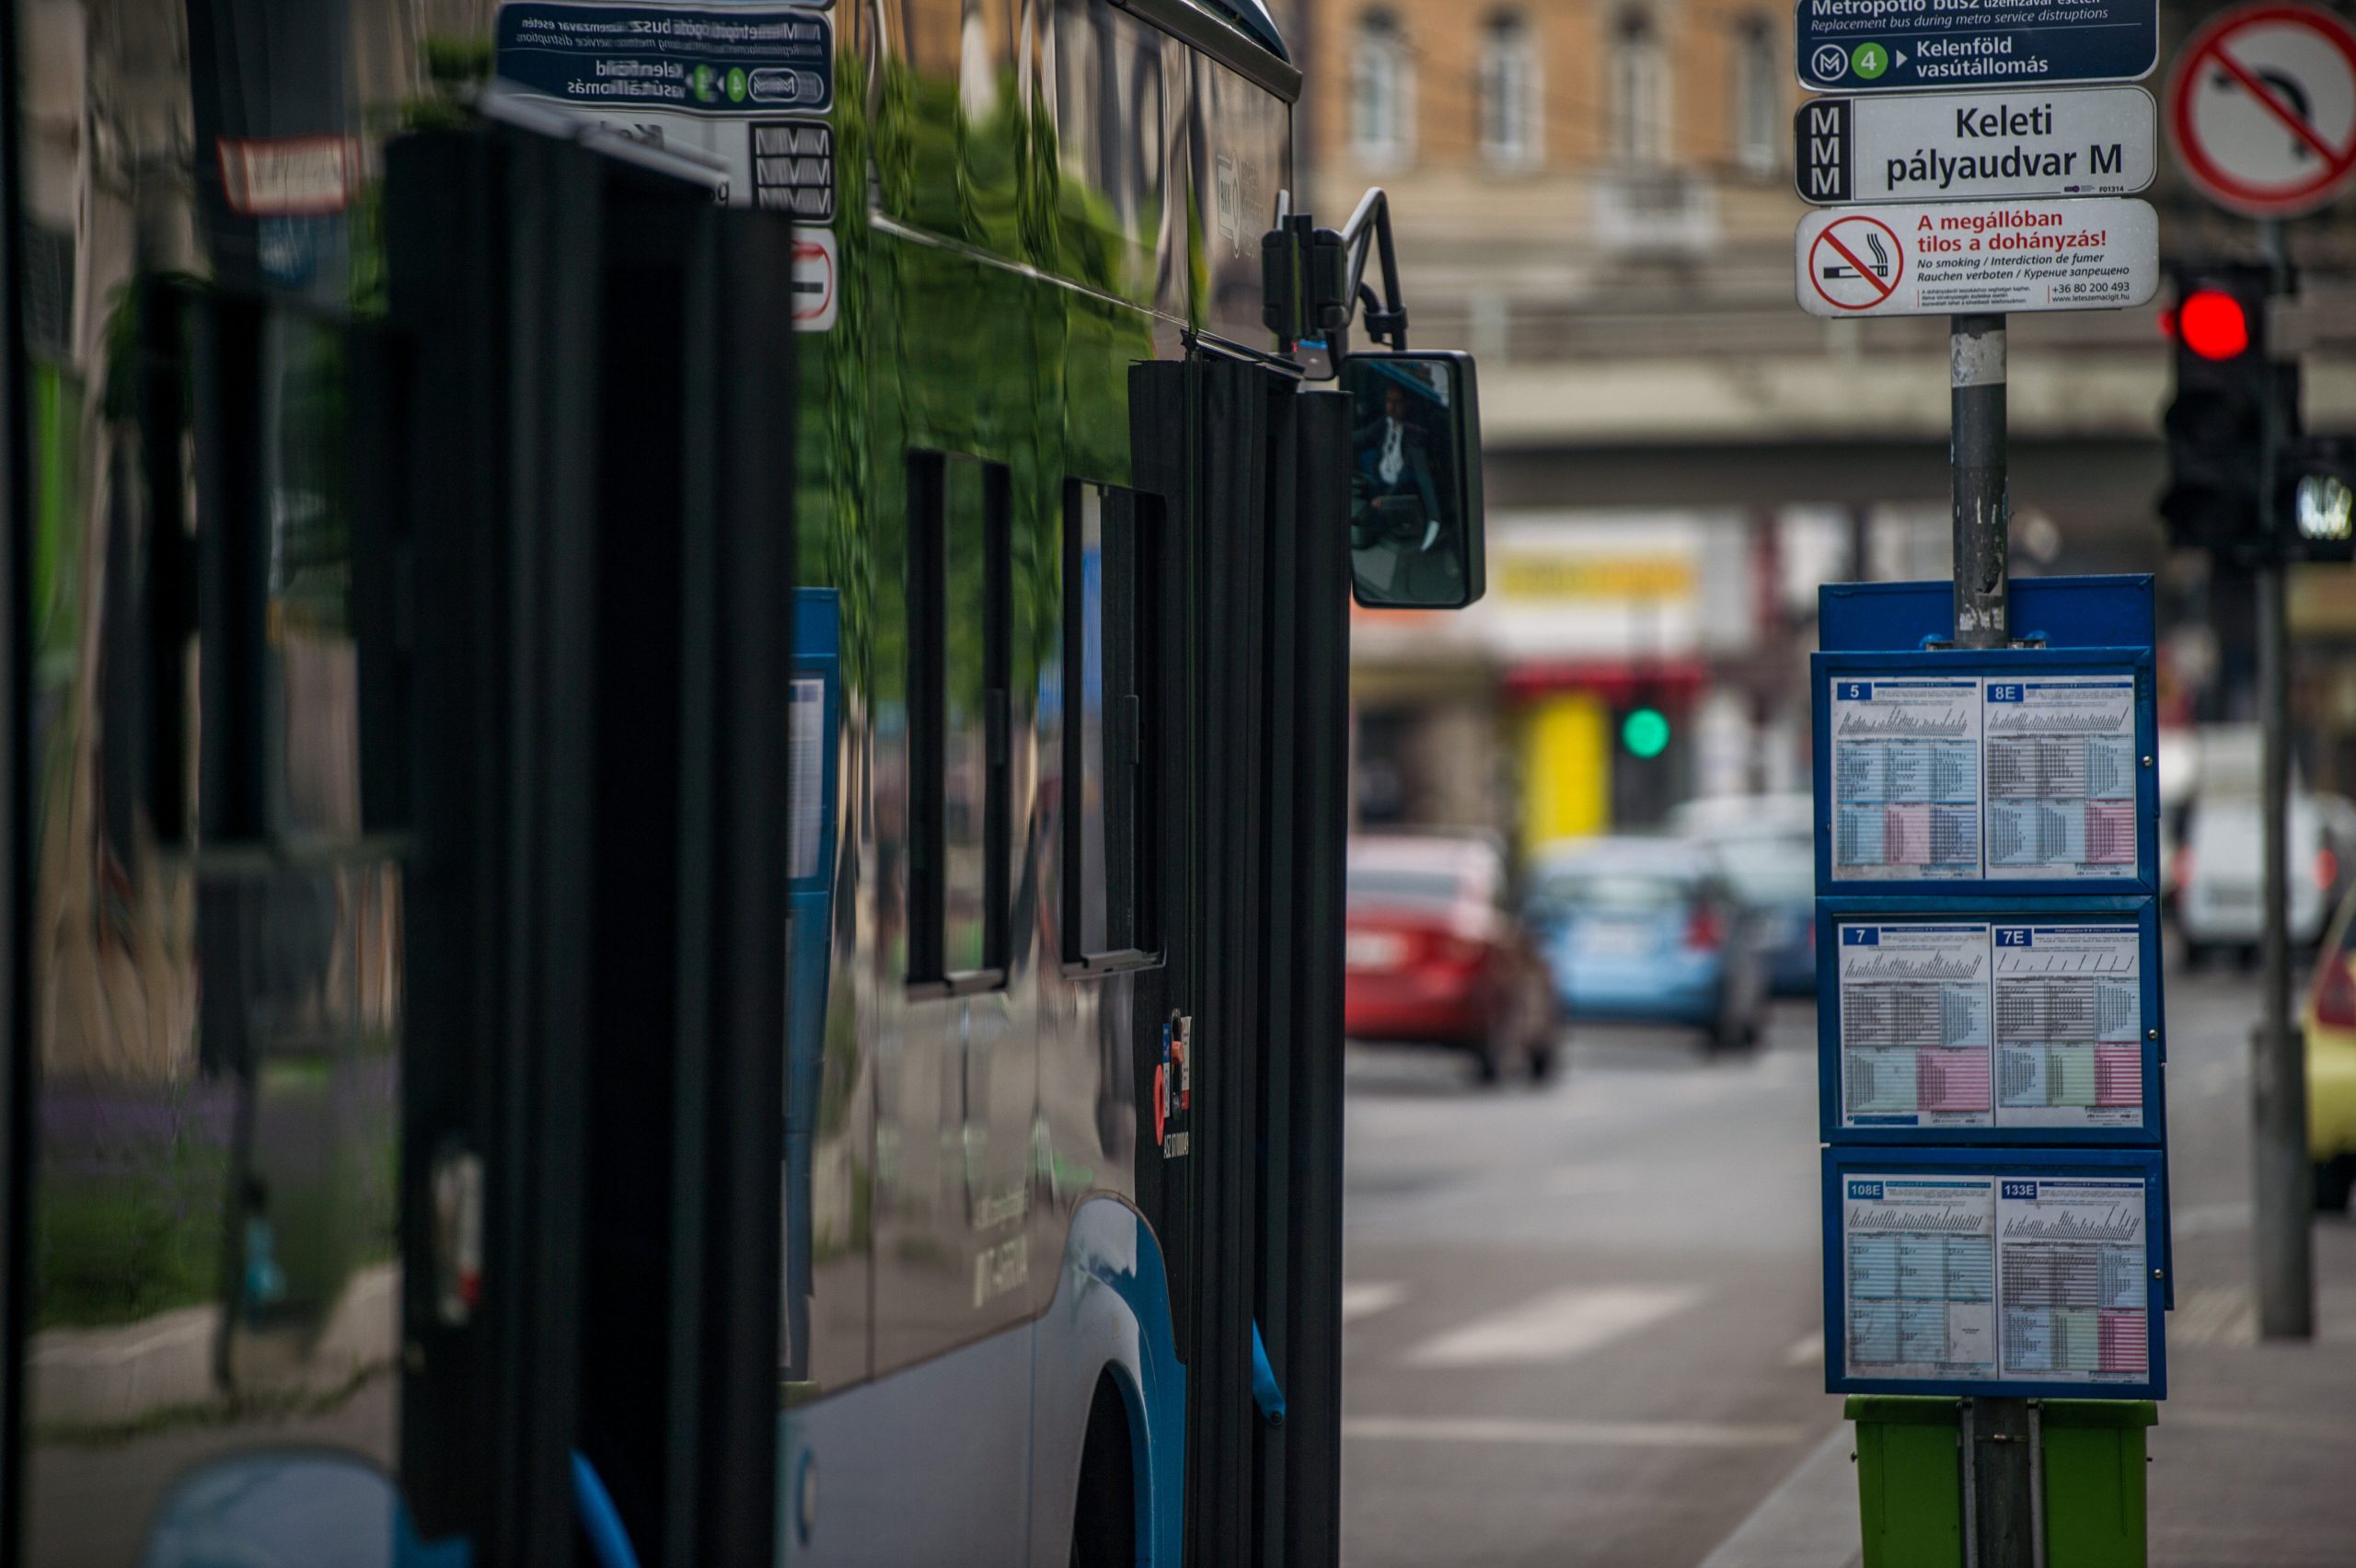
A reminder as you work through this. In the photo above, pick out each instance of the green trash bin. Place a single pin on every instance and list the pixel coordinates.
(1910, 1481)
(2095, 1481)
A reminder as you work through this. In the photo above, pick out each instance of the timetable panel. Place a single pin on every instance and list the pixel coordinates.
(1990, 1022)
(2006, 1272)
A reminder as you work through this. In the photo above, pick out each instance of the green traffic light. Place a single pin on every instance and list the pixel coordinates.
(1644, 732)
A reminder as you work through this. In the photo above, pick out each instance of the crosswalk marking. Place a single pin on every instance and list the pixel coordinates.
(1364, 1298)
(1555, 1327)
(1805, 1350)
(1570, 1434)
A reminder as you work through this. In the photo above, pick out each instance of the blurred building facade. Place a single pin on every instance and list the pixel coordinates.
(1595, 197)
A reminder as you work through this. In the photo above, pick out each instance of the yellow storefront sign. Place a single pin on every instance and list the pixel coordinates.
(1537, 576)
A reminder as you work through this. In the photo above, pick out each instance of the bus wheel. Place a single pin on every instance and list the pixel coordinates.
(1105, 1517)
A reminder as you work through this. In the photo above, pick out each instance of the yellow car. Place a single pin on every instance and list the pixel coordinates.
(2331, 1018)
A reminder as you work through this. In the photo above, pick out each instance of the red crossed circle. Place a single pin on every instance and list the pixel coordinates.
(2208, 48)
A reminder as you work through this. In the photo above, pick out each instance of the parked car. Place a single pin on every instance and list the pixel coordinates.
(2218, 871)
(2330, 1019)
(1435, 954)
(1649, 930)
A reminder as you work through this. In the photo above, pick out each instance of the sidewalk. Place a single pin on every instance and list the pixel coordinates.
(2253, 1462)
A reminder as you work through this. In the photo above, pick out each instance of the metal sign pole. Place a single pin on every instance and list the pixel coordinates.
(1999, 1501)
(1982, 505)
(2278, 1076)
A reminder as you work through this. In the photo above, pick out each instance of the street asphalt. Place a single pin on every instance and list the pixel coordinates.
(1582, 1320)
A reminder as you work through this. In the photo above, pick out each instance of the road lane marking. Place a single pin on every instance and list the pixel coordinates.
(1805, 1350)
(1555, 1327)
(1366, 1297)
(1570, 1434)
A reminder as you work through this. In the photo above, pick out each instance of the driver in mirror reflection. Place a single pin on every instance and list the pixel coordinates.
(1394, 459)
(1402, 537)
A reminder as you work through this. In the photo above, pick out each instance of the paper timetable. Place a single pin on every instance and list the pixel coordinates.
(2072, 1279)
(1919, 1256)
(2060, 766)
(1989, 1024)
(1915, 1025)
(1906, 779)
(2069, 1026)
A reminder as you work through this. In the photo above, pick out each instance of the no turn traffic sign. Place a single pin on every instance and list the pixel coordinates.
(2262, 109)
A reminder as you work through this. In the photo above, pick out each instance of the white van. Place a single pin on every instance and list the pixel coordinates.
(2217, 880)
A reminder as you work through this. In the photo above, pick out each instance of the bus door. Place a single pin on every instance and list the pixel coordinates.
(395, 1154)
(1259, 624)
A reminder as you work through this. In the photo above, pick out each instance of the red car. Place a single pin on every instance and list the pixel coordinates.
(1436, 956)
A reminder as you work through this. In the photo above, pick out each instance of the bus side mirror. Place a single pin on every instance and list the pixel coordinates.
(1415, 534)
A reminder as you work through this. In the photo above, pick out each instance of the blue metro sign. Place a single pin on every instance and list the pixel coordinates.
(1864, 46)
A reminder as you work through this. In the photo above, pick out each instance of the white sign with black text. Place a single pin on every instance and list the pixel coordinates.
(1966, 145)
(1978, 256)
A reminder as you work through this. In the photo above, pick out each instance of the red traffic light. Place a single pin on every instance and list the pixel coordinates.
(2212, 324)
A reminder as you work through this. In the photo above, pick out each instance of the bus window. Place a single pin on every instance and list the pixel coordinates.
(958, 674)
(1109, 537)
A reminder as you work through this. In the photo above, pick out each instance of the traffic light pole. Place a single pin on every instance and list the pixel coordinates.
(2001, 1520)
(2282, 1177)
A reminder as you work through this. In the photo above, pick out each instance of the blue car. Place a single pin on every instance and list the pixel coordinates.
(1774, 876)
(1648, 930)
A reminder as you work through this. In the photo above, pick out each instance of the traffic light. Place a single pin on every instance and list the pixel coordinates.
(2216, 426)
(1645, 732)
(2317, 480)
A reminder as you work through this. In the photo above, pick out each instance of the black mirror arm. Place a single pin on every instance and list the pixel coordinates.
(1313, 279)
(1369, 230)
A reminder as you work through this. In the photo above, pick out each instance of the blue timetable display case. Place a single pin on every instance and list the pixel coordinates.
(1990, 1022)
(2025, 1272)
(2052, 612)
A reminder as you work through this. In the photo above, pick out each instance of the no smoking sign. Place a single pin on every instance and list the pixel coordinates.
(1855, 264)
(2262, 109)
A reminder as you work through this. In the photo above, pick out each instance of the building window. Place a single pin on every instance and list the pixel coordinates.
(1382, 93)
(1110, 538)
(1510, 121)
(1758, 98)
(1639, 93)
(958, 674)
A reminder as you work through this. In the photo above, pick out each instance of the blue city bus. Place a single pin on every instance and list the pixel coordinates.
(676, 690)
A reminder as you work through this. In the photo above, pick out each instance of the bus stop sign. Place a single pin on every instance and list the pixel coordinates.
(1867, 46)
